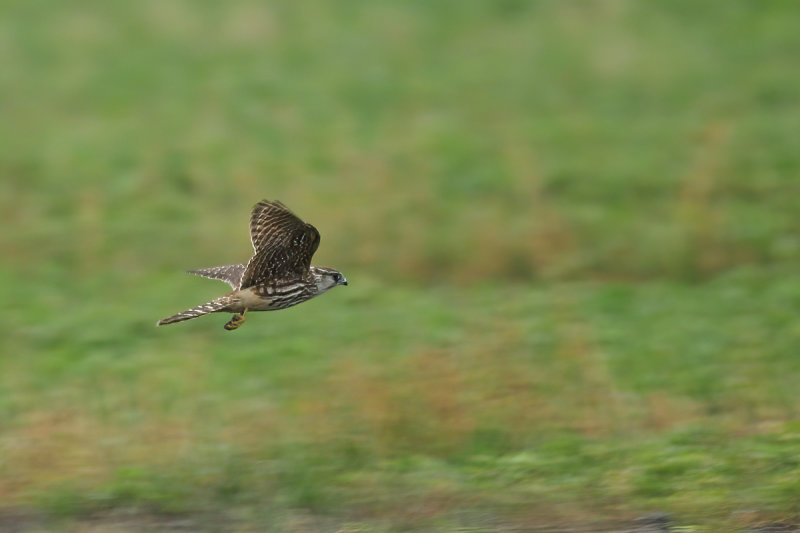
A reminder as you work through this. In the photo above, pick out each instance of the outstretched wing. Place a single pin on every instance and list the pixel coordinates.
(230, 274)
(283, 244)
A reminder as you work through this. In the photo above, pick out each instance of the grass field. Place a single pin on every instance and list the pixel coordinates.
(570, 230)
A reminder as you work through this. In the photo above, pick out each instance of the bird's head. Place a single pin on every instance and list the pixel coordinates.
(327, 278)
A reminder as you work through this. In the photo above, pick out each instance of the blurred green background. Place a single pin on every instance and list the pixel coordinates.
(570, 230)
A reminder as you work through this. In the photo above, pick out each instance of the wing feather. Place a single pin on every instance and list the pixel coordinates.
(283, 244)
(230, 274)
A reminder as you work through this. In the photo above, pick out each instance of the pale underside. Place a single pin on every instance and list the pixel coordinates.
(277, 276)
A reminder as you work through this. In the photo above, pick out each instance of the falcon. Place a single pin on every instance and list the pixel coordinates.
(279, 275)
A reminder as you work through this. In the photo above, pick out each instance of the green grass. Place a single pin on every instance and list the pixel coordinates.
(567, 402)
(570, 231)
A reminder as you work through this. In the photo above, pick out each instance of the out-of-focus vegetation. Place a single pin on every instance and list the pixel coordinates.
(570, 228)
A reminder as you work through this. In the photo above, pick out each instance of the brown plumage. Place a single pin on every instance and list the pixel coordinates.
(282, 244)
(278, 275)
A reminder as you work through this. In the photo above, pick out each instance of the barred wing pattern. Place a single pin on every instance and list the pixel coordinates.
(283, 245)
(230, 274)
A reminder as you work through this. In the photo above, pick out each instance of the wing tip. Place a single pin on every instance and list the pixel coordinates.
(271, 203)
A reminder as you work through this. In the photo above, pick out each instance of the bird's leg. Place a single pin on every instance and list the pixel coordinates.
(236, 321)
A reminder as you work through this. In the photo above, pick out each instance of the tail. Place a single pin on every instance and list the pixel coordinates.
(203, 309)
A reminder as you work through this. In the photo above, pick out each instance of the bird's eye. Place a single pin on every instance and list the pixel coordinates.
(337, 277)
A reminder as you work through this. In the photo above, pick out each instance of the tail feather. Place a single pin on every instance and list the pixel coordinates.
(203, 309)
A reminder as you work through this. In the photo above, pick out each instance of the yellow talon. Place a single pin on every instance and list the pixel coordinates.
(235, 321)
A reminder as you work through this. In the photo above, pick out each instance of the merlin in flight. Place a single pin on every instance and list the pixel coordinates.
(279, 275)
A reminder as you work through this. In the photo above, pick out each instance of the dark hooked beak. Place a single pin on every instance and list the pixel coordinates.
(344, 281)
